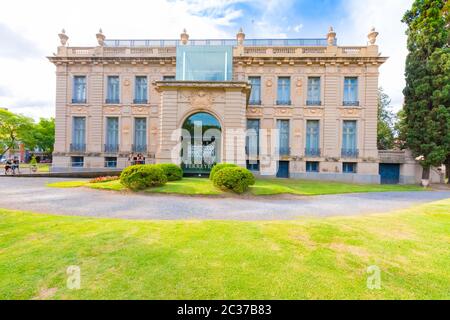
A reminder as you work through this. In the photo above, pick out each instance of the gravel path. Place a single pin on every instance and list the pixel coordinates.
(32, 194)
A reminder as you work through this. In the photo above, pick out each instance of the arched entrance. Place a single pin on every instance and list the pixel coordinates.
(201, 143)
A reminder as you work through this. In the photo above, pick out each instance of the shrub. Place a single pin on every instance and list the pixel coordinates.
(140, 177)
(172, 171)
(104, 179)
(236, 179)
(219, 167)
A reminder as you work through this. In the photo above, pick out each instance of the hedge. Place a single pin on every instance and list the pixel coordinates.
(235, 179)
(140, 177)
(219, 167)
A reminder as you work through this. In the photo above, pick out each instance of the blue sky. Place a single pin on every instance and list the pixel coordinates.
(30, 28)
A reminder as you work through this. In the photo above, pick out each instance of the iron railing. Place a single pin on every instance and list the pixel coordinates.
(111, 148)
(312, 152)
(254, 102)
(77, 147)
(349, 153)
(112, 101)
(313, 102)
(139, 148)
(283, 102)
(140, 101)
(350, 103)
(78, 101)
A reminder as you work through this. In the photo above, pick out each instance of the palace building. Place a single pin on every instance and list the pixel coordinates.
(300, 108)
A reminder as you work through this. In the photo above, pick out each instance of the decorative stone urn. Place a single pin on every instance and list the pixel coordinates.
(184, 37)
(331, 37)
(63, 37)
(100, 38)
(240, 37)
(372, 36)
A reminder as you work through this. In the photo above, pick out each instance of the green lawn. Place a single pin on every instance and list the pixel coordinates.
(307, 259)
(198, 186)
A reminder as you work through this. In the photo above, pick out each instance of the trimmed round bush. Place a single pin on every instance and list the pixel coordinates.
(219, 167)
(172, 171)
(140, 177)
(235, 179)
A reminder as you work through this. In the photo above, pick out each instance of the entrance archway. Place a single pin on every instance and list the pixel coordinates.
(201, 143)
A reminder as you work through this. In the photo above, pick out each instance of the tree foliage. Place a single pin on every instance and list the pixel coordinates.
(14, 128)
(427, 91)
(386, 122)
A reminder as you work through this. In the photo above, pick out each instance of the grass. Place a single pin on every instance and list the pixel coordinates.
(198, 186)
(307, 259)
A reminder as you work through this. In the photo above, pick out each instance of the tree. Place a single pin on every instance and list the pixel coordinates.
(13, 128)
(427, 91)
(44, 135)
(386, 122)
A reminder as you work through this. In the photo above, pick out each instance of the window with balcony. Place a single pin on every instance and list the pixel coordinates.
(349, 139)
(312, 148)
(255, 95)
(314, 96)
(78, 135)
(284, 91)
(113, 90)
(140, 90)
(140, 135)
(349, 167)
(351, 91)
(112, 135)
(312, 166)
(283, 130)
(79, 89)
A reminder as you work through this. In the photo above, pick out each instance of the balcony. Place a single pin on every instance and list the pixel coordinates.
(77, 147)
(78, 101)
(140, 101)
(312, 152)
(254, 102)
(350, 103)
(111, 148)
(283, 102)
(139, 148)
(349, 153)
(112, 101)
(313, 102)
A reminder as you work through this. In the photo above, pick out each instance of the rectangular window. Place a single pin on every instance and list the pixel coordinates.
(252, 138)
(349, 139)
(312, 138)
(77, 162)
(314, 97)
(140, 89)
(168, 78)
(255, 95)
(351, 91)
(79, 89)
(349, 167)
(112, 134)
(78, 134)
(140, 135)
(113, 90)
(284, 91)
(253, 165)
(110, 162)
(312, 166)
(283, 130)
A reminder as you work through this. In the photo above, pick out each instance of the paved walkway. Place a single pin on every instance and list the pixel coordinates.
(32, 194)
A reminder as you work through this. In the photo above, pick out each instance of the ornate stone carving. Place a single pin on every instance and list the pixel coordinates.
(254, 111)
(100, 38)
(240, 37)
(372, 36)
(331, 37)
(311, 111)
(63, 37)
(139, 110)
(201, 99)
(269, 83)
(283, 112)
(350, 112)
(184, 37)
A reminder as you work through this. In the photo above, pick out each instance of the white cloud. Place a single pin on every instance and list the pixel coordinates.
(298, 27)
(386, 16)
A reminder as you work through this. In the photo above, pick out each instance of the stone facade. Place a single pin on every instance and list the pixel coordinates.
(171, 102)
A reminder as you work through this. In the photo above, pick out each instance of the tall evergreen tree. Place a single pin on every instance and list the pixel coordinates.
(427, 91)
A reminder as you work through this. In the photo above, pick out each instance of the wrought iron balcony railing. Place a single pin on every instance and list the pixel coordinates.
(349, 153)
(283, 102)
(313, 102)
(111, 148)
(350, 103)
(80, 101)
(112, 101)
(77, 147)
(139, 148)
(312, 152)
(140, 101)
(254, 102)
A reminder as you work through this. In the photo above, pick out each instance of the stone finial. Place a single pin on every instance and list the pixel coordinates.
(240, 36)
(184, 37)
(100, 38)
(63, 37)
(372, 36)
(331, 37)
